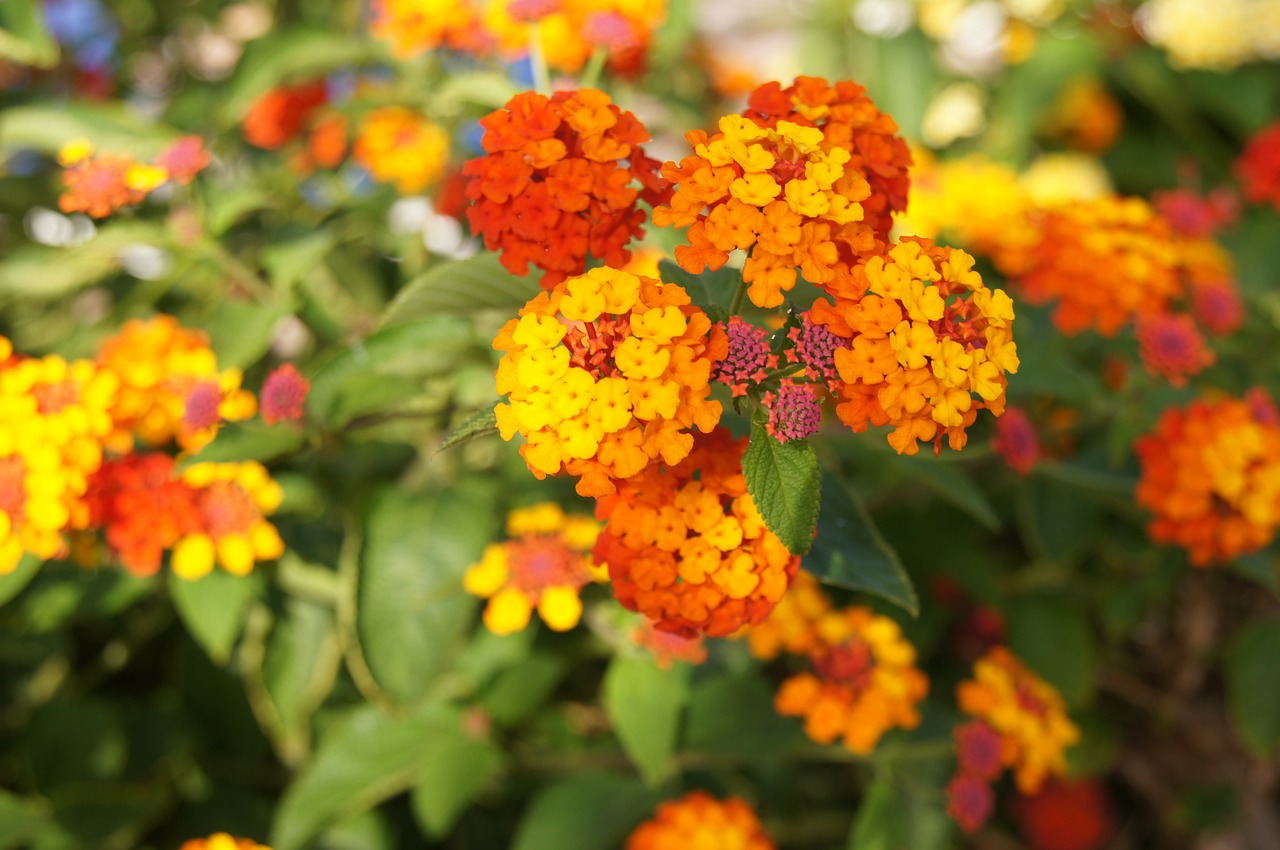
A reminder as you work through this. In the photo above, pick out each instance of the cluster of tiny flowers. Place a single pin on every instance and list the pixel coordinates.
(863, 682)
(556, 184)
(1016, 441)
(399, 146)
(283, 395)
(543, 565)
(1066, 815)
(1020, 724)
(605, 374)
(698, 821)
(774, 192)
(1259, 167)
(98, 184)
(925, 334)
(748, 359)
(1171, 346)
(795, 411)
(1211, 477)
(170, 386)
(222, 841)
(232, 501)
(686, 546)
(814, 346)
(416, 26)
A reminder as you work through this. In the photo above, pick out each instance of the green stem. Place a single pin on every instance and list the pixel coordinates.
(348, 634)
(594, 69)
(736, 304)
(538, 59)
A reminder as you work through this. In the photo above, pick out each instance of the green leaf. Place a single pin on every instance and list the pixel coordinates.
(459, 769)
(904, 807)
(288, 261)
(519, 691)
(76, 741)
(850, 552)
(413, 612)
(593, 811)
(463, 287)
(227, 204)
(1052, 635)
(213, 608)
(24, 38)
(954, 485)
(20, 819)
(292, 55)
(301, 661)
(734, 716)
(42, 272)
(479, 88)
(240, 331)
(370, 757)
(240, 441)
(712, 291)
(1252, 672)
(482, 423)
(783, 481)
(12, 583)
(643, 702)
(109, 126)
(1058, 520)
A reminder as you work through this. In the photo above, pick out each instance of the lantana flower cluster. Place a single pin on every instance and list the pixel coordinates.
(1020, 723)
(222, 841)
(99, 183)
(698, 820)
(1211, 477)
(556, 184)
(862, 680)
(400, 146)
(543, 565)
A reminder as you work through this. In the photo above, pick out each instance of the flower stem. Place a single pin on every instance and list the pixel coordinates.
(538, 59)
(736, 304)
(594, 69)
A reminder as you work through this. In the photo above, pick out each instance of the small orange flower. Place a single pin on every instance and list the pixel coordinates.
(400, 146)
(686, 546)
(143, 507)
(276, 118)
(792, 626)
(543, 566)
(604, 375)
(222, 841)
(416, 26)
(232, 501)
(562, 166)
(101, 184)
(698, 821)
(1171, 346)
(1211, 476)
(1086, 116)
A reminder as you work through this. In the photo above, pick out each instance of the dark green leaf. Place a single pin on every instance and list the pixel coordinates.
(463, 287)
(521, 690)
(593, 811)
(237, 441)
(850, 552)
(1052, 635)
(301, 661)
(214, 607)
(369, 758)
(1253, 686)
(952, 483)
(1057, 519)
(482, 423)
(904, 807)
(72, 742)
(413, 612)
(456, 773)
(12, 583)
(712, 291)
(643, 702)
(734, 716)
(783, 481)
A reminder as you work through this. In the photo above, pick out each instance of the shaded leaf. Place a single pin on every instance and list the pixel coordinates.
(482, 423)
(456, 773)
(302, 658)
(783, 481)
(954, 485)
(12, 583)
(1057, 519)
(593, 811)
(849, 550)
(241, 441)
(734, 716)
(1253, 686)
(521, 690)
(643, 702)
(214, 607)
(1052, 635)
(462, 287)
(288, 261)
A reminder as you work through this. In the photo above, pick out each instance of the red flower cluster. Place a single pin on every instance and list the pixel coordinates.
(555, 185)
(276, 118)
(1259, 167)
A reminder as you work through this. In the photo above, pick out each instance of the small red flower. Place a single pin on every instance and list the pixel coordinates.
(278, 116)
(1016, 441)
(283, 395)
(969, 802)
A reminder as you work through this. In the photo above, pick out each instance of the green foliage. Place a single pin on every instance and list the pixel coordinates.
(462, 287)
(214, 608)
(644, 703)
(591, 811)
(1253, 686)
(455, 774)
(783, 481)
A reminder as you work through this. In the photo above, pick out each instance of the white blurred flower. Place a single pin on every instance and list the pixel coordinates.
(956, 112)
(146, 262)
(49, 227)
(883, 18)
(289, 338)
(974, 46)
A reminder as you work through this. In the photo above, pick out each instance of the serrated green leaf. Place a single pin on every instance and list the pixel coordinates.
(12, 583)
(1252, 672)
(456, 773)
(644, 702)
(238, 441)
(784, 483)
(1052, 635)
(593, 811)
(482, 423)
(372, 756)
(463, 287)
(214, 607)
(849, 550)
(24, 38)
(413, 612)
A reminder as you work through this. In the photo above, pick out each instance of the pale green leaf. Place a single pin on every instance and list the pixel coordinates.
(644, 702)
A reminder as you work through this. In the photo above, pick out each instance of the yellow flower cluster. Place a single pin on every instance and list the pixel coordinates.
(1027, 713)
(400, 146)
(54, 416)
(232, 500)
(222, 841)
(605, 374)
(1217, 36)
(168, 374)
(543, 566)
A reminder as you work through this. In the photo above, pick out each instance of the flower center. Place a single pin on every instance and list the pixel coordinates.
(591, 344)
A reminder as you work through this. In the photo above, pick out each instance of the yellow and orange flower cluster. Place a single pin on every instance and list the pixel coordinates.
(686, 546)
(401, 147)
(775, 192)
(170, 386)
(698, 821)
(605, 374)
(864, 681)
(556, 184)
(543, 565)
(926, 335)
(1026, 713)
(98, 184)
(1211, 476)
(222, 841)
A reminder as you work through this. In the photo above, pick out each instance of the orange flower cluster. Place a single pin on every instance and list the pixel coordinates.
(143, 508)
(925, 335)
(686, 546)
(605, 374)
(1211, 476)
(698, 821)
(232, 502)
(1259, 167)
(544, 565)
(416, 26)
(556, 184)
(170, 386)
(864, 681)
(849, 120)
(668, 647)
(277, 117)
(401, 147)
(98, 184)
(1027, 716)
(222, 841)
(775, 192)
